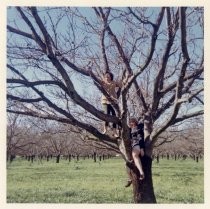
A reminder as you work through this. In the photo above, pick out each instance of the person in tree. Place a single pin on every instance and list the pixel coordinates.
(111, 87)
(137, 143)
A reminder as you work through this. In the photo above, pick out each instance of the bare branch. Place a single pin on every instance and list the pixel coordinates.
(182, 11)
(70, 120)
(73, 95)
(36, 36)
(19, 32)
(158, 84)
(11, 97)
(187, 116)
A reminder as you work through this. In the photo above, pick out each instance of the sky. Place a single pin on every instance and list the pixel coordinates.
(116, 27)
(83, 84)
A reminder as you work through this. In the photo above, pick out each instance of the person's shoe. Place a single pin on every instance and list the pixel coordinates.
(116, 135)
(104, 131)
(141, 177)
(129, 182)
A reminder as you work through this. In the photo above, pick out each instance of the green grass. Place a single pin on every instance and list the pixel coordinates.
(180, 181)
(101, 182)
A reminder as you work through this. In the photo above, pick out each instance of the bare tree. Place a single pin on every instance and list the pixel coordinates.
(183, 140)
(20, 138)
(160, 49)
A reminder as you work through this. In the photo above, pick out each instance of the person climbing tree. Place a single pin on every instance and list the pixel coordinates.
(111, 86)
(137, 143)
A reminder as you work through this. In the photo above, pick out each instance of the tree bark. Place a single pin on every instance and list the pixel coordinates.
(143, 191)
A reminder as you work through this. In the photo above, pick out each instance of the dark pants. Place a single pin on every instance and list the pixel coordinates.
(109, 110)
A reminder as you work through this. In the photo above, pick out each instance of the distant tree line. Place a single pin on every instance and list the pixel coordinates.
(47, 141)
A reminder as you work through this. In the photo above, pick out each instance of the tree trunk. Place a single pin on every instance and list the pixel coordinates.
(158, 158)
(69, 158)
(143, 191)
(94, 156)
(58, 158)
(12, 157)
(32, 158)
(197, 159)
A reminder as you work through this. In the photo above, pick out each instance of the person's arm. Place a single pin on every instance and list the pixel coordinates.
(118, 84)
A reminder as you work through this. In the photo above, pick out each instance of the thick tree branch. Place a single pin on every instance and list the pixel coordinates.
(37, 83)
(116, 41)
(177, 120)
(195, 75)
(170, 101)
(106, 64)
(47, 37)
(145, 22)
(201, 101)
(182, 11)
(187, 116)
(36, 36)
(19, 99)
(102, 36)
(72, 94)
(177, 104)
(156, 27)
(182, 78)
(71, 91)
(158, 84)
(191, 96)
(19, 32)
(70, 120)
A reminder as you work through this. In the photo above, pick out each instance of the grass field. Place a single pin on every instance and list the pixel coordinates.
(84, 181)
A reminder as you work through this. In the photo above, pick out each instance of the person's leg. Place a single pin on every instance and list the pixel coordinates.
(106, 111)
(137, 161)
(112, 111)
(142, 152)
